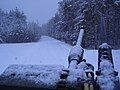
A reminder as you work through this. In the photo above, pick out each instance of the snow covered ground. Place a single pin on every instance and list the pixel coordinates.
(47, 51)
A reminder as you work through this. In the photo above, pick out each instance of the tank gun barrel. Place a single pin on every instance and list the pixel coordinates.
(80, 37)
(76, 53)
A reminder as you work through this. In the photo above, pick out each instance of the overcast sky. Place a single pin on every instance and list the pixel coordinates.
(35, 10)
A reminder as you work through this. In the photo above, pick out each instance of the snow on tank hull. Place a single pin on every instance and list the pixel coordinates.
(38, 77)
(31, 76)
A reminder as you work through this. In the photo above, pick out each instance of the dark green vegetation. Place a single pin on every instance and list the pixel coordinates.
(14, 28)
(101, 20)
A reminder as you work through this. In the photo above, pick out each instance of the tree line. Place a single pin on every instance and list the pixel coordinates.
(100, 19)
(14, 27)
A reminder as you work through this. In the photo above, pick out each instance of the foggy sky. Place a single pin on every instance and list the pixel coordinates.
(35, 10)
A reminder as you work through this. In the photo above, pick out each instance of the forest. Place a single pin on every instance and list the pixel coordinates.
(100, 19)
(14, 27)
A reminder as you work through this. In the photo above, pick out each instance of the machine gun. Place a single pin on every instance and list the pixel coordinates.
(79, 75)
(107, 77)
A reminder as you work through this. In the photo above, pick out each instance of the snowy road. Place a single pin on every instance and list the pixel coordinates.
(47, 51)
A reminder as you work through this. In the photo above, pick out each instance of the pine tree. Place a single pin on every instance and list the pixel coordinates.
(100, 18)
(33, 32)
(17, 26)
(14, 28)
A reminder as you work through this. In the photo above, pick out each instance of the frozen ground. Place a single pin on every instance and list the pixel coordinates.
(47, 51)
